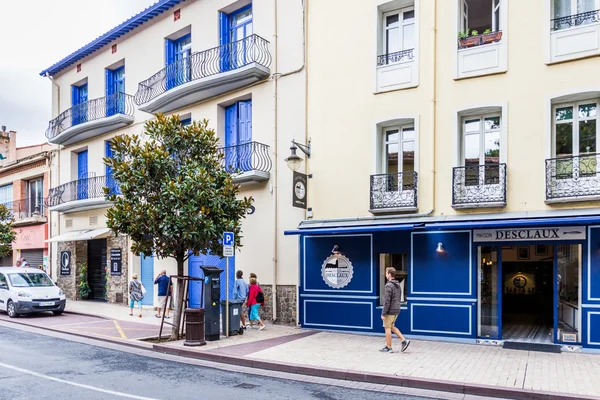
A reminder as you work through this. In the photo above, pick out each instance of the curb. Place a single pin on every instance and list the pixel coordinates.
(382, 379)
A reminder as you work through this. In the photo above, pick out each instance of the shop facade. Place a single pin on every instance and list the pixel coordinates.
(489, 281)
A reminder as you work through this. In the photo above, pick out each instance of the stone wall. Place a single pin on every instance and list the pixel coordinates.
(117, 285)
(70, 283)
(286, 304)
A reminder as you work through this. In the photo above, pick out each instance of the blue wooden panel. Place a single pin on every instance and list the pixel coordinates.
(447, 273)
(591, 328)
(231, 137)
(402, 323)
(82, 175)
(441, 319)
(147, 277)
(194, 264)
(337, 314)
(195, 290)
(394, 242)
(358, 250)
(591, 277)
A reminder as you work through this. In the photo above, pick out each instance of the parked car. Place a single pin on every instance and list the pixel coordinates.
(29, 290)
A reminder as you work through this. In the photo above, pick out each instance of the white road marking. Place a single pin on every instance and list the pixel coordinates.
(96, 389)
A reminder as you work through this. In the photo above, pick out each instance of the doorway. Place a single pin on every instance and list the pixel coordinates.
(97, 269)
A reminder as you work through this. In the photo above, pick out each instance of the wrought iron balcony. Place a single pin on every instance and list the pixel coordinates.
(27, 211)
(477, 186)
(572, 21)
(248, 162)
(399, 56)
(82, 194)
(91, 118)
(205, 74)
(394, 192)
(575, 178)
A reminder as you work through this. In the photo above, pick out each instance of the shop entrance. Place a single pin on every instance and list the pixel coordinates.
(530, 293)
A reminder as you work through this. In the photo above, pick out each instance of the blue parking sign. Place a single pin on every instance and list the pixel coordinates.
(228, 239)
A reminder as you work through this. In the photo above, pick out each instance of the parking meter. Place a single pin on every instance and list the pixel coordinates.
(211, 301)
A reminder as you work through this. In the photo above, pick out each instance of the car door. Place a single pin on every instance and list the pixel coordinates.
(3, 292)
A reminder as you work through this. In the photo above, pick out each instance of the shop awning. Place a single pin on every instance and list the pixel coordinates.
(87, 234)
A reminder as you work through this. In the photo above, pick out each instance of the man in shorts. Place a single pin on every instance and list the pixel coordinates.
(392, 298)
(163, 282)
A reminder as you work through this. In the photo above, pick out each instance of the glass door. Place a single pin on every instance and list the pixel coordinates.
(489, 304)
(567, 296)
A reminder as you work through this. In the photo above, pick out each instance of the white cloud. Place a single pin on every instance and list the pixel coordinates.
(35, 35)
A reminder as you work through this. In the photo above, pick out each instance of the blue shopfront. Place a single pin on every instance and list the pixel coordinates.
(532, 281)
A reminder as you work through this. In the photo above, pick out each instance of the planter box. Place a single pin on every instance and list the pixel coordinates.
(491, 37)
(469, 42)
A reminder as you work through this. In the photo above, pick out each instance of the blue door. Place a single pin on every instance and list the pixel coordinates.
(194, 264)
(82, 175)
(147, 276)
(178, 53)
(238, 136)
(79, 107)
(236, 28)
(110, 179)
(115, 91)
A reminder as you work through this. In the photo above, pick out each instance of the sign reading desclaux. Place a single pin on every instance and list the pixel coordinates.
(299, 190)
(529, 234)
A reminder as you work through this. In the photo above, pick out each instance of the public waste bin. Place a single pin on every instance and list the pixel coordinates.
(235, 310)
(194, 327)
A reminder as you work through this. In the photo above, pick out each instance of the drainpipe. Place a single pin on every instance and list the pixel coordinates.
(276, 160)
(434, 93)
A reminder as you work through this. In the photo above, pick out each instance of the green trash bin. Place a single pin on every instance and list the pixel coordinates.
(235, 310)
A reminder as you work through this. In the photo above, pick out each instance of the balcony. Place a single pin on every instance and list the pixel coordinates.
(91, 118)
(397, 70)
(479, 186)
(395, 192)
(571, 179)
(248, 162)
(27, 211)
(575, 36)
(205, 74)
(481, 55)
(82, 194)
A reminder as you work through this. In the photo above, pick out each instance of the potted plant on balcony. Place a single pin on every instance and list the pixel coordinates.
(490, 37)
(465, 41)
(84, 288)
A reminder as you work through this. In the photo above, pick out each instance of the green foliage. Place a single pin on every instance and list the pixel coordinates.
(84, 288)
(7, 234)
(474, 33)
(463, 35)
(487, 31)
(176, 194)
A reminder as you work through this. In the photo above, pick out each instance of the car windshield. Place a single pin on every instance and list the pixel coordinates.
(24, 279)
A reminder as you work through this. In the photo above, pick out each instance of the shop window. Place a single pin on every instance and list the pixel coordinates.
(400, 263)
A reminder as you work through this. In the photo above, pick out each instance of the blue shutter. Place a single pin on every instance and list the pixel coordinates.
(245, 136)
(147, 277)
(82, 174)
(231, 136)
(74, 95)
(110, 90)
(169, 59)
(224, 41)
(110, 180)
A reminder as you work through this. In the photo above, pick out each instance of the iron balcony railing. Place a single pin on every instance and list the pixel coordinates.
(479, 185)
(571, 21)
(118, 103)
(27, 208)
(398, 56)
(82, 189)
(252, 156)
(391, 191)
(228, 57)
(576, 176)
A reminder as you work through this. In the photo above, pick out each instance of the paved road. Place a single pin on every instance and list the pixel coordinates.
(34, 366)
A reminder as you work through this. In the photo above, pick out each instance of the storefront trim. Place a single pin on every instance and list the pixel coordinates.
(340, 297)
(589, 331)
(412, 313)
(589, 265)
(369, 304)
(474, 300)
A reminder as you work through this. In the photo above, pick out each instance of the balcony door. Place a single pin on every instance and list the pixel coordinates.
(115, 91)
(399, 160)
(179, 67)
(82, 175)
(236, 44)
(35, 197)
(238, 136)
(79, 106)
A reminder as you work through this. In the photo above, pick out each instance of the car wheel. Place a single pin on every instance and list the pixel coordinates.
(11, 310)
(57, 312)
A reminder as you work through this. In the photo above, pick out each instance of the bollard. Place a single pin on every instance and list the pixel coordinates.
(194, 327)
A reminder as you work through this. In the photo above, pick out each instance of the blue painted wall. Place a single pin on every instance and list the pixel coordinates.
(194, 264)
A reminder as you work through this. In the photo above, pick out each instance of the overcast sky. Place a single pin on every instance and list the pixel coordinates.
(33, 36)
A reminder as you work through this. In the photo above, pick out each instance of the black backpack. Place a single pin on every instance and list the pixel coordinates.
(260, 297)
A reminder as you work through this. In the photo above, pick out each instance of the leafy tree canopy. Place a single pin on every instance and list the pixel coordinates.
(7, 234)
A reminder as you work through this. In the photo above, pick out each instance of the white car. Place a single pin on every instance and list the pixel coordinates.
(29, 290)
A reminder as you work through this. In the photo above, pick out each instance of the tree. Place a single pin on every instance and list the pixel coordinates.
(7, 234)
(176, 197)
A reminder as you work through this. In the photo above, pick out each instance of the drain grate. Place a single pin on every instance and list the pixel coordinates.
(246, 386)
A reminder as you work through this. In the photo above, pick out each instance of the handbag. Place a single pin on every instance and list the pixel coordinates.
(144, 291)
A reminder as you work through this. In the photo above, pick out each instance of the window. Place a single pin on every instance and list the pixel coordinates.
(236, 33)
(186, 121)
(35, 196)
(566, 8)
(398, 261)
(399, 156)
(3, 282)
(481, 149)
(576, 138)
(178, 60)
(238, 136)
(6, 194)
(398, 36)
(479, 17)
(115, 91)
(79, 98)
(30, 279)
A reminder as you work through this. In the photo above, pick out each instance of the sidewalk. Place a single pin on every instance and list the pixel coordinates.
(486, 370)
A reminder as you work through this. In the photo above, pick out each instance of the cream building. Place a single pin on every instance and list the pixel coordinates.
(239, 64)
(457, 141)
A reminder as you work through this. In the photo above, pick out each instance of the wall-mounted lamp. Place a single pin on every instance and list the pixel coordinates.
(294, 161)
(336, 250)
(440, 248)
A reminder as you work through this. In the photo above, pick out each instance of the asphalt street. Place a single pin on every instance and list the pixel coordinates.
(34, 366)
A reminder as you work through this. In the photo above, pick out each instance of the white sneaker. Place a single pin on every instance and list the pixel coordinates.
(261, 328)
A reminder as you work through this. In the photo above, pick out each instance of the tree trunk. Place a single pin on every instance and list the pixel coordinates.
(177, 320)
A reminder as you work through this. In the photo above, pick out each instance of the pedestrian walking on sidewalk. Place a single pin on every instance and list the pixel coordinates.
(392, 298)
(164, 283)
(252, 275)
(136, 294)
(240, 293)
(256, 298)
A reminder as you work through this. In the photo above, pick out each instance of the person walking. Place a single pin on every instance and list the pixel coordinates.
(136, 294)
(256, 299)
(392, 298)
(240, 293)
(164, 283)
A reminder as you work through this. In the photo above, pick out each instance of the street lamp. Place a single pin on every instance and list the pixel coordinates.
(294, 161)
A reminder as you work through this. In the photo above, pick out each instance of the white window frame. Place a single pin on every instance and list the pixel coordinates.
(400, 24)
(575, 121)
(464, 16)
(573, 7)
(401, 140)
(481, 133)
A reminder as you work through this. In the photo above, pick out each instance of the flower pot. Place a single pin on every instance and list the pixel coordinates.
(469, 42)
(491, 37)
